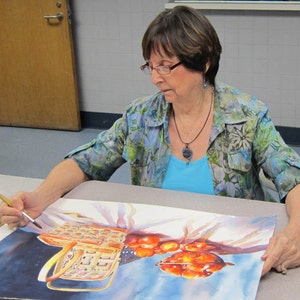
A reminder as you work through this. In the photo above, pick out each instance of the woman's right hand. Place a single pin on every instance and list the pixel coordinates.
(62, 178)
(27, 201)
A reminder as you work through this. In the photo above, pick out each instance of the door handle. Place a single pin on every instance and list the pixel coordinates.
(59, 16)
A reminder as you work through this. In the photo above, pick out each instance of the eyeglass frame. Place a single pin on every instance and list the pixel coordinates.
(147, 69)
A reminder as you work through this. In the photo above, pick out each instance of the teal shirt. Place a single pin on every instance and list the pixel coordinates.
(243, 141)
(183, 176)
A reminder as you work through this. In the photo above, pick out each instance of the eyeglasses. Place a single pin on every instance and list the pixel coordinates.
(161, 70)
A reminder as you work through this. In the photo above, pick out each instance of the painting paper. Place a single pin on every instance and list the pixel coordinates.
(110, 250)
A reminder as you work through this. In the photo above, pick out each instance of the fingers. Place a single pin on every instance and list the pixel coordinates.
(12, 215)
(281, 254)
(7, 213)
(21, 201)
(13, 218)
(15, 225)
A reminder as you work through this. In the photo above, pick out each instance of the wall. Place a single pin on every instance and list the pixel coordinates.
(107, 36)
(260, 54)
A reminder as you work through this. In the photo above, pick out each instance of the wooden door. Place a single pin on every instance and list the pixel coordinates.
(37, 71)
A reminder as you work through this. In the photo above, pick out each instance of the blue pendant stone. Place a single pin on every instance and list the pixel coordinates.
(187, 153)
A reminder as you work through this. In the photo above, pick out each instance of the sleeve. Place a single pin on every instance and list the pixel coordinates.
(101, 157)
(280, 163)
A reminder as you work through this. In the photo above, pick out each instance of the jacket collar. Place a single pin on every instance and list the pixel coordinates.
(227, 108)
(158, 110)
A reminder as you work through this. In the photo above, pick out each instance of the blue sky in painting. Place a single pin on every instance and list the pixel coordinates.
(141, 280)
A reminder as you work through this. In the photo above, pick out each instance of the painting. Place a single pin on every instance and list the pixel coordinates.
(110, 250)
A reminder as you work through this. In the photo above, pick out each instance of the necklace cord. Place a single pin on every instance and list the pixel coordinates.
(187, 144)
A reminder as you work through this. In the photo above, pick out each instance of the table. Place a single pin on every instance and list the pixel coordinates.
(272, 286)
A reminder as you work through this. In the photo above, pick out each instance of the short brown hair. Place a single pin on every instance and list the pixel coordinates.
(186, 33)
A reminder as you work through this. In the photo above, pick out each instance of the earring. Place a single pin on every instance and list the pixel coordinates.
(204, 84)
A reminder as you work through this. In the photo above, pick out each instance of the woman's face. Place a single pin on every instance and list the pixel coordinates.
(180, 85)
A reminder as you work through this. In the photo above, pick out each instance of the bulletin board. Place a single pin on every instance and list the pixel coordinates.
(286, 5)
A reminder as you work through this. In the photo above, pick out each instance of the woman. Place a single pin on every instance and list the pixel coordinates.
(195, 134)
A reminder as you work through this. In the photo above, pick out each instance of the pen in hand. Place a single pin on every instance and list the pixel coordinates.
(8, 202)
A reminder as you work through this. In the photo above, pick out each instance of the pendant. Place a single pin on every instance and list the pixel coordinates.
(187, 152)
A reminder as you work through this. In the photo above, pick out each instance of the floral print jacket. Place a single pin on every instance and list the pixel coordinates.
(243, 141)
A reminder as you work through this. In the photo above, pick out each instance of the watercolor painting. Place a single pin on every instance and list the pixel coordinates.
(111, 250)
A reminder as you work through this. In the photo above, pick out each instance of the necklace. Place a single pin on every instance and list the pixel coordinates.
(187, 153)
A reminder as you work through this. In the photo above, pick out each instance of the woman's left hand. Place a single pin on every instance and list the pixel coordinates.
(282, 253)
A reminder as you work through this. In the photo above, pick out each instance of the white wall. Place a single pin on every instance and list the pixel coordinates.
(260, 54)
(107, 36)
